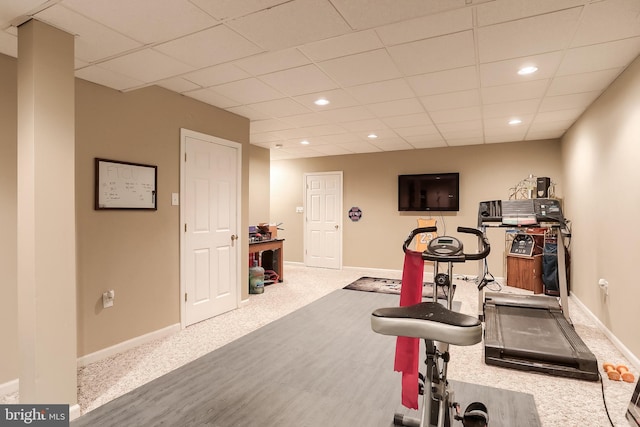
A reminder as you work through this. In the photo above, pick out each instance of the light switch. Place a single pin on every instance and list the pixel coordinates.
(299, 209)
(175, 199)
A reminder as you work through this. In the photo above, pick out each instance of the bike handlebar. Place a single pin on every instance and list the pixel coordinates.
(484, 252)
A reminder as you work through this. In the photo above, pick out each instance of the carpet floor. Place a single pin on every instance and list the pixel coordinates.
(559, 401)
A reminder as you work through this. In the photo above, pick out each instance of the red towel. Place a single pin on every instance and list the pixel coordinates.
(407, 349)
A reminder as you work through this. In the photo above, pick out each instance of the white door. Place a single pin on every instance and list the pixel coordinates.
(323, 225)
(209, 216)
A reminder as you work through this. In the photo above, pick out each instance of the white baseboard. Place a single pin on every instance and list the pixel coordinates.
(9, 387)
(616, 342)
(74, 412)
(127, 345)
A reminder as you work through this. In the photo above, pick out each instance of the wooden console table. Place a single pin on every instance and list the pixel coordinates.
(274, 245)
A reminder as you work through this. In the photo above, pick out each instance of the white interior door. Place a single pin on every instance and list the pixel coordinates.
(323, 225)
(210, 277)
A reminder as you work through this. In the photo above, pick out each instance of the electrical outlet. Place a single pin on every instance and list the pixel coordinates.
(107, 298)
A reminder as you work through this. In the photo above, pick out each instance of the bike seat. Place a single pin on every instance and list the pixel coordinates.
(427, 320)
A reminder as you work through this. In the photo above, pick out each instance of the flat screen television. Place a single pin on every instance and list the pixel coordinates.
(429, 192)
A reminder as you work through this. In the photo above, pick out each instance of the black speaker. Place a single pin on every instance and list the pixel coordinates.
(543, 187)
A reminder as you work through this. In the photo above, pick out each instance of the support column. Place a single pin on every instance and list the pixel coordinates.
(46, 216)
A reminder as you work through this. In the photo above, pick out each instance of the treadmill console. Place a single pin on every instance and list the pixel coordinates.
(445, 246)
(520, 212)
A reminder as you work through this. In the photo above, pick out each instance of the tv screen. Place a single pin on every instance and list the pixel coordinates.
(429, 192)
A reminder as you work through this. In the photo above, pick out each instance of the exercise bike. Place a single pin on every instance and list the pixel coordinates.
(439, 326)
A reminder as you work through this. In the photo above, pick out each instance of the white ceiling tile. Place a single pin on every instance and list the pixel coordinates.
(513, 92)
(444, 81)
(342, 138)
(387, 90)
(147, 21)
(426, 141)
(265, 137)
(270, 62)
(506, 72)
(463, 140)
(392, 144)
(472, 128)
(300, 80)
(585, 82)
(13, 9)
(361, 147)
(269, 125)
(344, 45)
(528, 36)
(361, 68)
(225, 9)
(456, 115)
(600, 57)
(248, 91)
(279, 108)
(212, 97)
(566, 102)
(549, 126)
(365, 125)
(349, 114)
(426, 27)
(417, 131)
(209, 47)
(303, 120)
(93, 41)
(338, 98)
(408, 120)
(396, 108)
(502, 123)
(504, 137)
(146, 65)
(248, 112)
(497, 11)
(178, 84)
(363, 14)
(291, 24)
(446, 101)
(108, 78)
(513, 108)
(608, 20)
(216, 75)
(552, 116)
(434, 54)
(332, 150)
(549, 134)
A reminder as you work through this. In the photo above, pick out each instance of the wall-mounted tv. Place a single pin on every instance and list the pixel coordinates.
(429, 192)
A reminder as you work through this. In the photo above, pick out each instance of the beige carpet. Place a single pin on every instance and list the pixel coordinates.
(560, 401)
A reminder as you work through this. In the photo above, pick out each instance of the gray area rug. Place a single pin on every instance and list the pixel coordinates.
(389, 286)
(318, 366)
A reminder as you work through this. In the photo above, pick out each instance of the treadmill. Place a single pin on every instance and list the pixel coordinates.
(532, 332)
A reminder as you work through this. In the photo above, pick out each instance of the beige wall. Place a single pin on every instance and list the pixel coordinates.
(258, 185)
(136, 253)
(370, 183)
(8, 206)
(601, 167)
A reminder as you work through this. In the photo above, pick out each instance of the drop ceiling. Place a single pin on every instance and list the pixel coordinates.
(414, 73)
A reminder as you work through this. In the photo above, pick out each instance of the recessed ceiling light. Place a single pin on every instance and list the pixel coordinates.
(372, 136)
(527, 70)
(304, 142)
(321, 101)
(278, 145)
(514, 122)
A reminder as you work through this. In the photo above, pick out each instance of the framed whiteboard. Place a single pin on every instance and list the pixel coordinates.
(125, 185)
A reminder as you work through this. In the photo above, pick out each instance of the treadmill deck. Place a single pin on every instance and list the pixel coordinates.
(530, 333)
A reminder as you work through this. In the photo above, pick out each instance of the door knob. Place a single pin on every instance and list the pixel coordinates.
(336, 227)
(234, 237)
